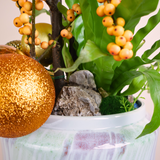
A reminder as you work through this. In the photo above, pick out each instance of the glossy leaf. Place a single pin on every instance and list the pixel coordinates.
(68, 61)
(71, 2)
(136, 85)
(63, 10)
(123, 80)
(90, 53)
(141, 33)
(153, 78)
(133, 10)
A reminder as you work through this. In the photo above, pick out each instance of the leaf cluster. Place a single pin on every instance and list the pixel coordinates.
(91, 40)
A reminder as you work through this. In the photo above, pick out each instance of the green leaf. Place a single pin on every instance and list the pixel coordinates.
(151, 24)
(37, 13)
(123, 80)
(78, 33)
(68, 61)
(94, 30)
(135, 86)
(90, 53)
(133, 10)
(63, 10)
(153, 78)
(71, 2)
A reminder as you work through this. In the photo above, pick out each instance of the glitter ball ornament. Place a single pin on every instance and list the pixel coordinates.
(27, 95)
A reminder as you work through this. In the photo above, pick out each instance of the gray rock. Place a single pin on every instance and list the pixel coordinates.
(84, 78)
(77, 101)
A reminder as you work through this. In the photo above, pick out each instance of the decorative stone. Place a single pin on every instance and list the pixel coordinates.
(84, 78)
(77, 101)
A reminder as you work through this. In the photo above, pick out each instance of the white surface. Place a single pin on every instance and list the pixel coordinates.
(8, 32)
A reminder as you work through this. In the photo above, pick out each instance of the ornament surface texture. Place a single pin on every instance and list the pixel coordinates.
(27, 95)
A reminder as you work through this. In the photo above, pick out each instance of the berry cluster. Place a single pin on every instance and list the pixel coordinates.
(70, 12)
(23, 22)
(122, 48)
(71, 17)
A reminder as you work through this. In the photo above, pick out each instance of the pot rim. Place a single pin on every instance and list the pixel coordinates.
(95, 122)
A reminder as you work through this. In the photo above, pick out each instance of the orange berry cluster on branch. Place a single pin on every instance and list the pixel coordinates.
(23, 22)
(70, 12)
(122, 48)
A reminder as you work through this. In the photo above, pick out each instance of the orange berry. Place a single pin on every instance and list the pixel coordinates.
(128, 35)
(21, 2)
(70, 11)
(100, 11)
(109, 9)
(130, 54)
(44, 45)
(37, 41)
(128, 45)
(14, 0)
(17, 22)
(105, 2)
(124, 53)
(50, 42)
(29, 13)
(78, 10)
(114, 49)
(69, 29)
(70, 35)
(75, 6)
(120, 21)
(109, 45)
(26, 40)
(118, 31)
(30, 40)
(28, 6)
(39, 5)
(23, 10)
(28, 24)
(27, 30)
(36, 33)
(117, 57)
(115, 2)
(64, 33)
(100, 1)
(120, 40)
(24, 18)
(110, 30)
(71, 17)
(21, 31)
(107, 21)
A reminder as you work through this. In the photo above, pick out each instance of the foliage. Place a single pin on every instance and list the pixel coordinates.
(91, 40)
(114, 104)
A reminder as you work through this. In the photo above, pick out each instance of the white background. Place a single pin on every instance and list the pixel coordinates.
(8, 32)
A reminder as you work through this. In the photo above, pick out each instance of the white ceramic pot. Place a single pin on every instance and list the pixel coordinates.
(110, 137)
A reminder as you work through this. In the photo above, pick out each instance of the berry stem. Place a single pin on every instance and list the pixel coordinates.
(32, 47)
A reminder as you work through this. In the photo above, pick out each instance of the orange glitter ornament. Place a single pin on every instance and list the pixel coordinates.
(27, 95)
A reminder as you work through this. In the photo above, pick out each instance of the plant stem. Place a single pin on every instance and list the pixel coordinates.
(56, 21)
(32, 49)
(144, 88)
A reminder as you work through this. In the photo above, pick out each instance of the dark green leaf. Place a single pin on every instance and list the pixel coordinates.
(135, 86)
(123, 80)
(153, 78)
